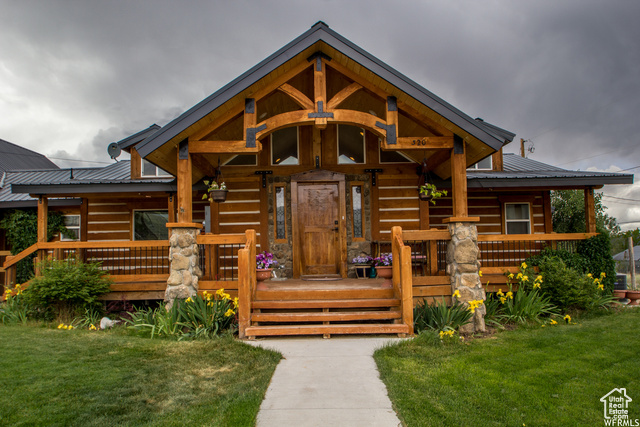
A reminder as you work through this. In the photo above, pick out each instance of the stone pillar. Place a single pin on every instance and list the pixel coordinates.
(183, 258)
(463, 267)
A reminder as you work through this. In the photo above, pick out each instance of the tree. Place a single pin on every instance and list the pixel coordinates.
(569, 216)
(22, 231)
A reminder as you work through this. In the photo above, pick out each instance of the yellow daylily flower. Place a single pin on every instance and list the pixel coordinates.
(553, 322)
(456, 294)
(229, 313)
(480, 273)
(500, 293)
(567, 318)
(510, 275)
(523, 265)
(509, 295)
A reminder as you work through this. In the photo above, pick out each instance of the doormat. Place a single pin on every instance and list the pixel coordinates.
(322, 277)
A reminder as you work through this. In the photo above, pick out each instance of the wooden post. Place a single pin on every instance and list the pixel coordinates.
(407, 288)
(251, 242)
(320, 91)
(244, 293)
(632, 263)
(185, 210)
(396, 236)
(43, 212)
(171, 207)
(459, 178)
(589, 210)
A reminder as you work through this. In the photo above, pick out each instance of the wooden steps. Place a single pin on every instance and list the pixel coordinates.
(345, 307)
(275, 330)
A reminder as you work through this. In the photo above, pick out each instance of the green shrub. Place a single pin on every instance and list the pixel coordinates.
(439, 316)
(67, 287)
(569, 289)
(21, 228)
(596, 253)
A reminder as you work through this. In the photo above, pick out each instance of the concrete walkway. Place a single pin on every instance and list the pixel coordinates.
(326, 382)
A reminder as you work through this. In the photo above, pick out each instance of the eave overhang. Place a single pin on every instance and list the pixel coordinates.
(88, 188)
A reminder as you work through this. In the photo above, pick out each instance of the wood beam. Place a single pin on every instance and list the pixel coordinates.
(184, 186)
(43, 211)
(218, 147)
(421, 143)
(589, 210)
(171, 207)
(300, 98)
(342, 96)
(320, 90)
(203, 165)
(136, 164)
(236, 109)
(459, 178)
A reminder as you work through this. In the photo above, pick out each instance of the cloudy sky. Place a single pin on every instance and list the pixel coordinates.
(563, 75)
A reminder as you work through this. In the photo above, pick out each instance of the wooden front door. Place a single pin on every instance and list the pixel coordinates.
(318, 228)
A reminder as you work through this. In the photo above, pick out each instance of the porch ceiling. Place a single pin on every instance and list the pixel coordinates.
(346, 58)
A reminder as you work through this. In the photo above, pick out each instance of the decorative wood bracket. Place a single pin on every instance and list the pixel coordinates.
(251, 135)
(373, 173)
(183, 150)
(264, 177)
(320, 114)
(458, 144)
(391, 132)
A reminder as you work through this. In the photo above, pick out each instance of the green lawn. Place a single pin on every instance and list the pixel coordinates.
(551, 376)
(57, 377)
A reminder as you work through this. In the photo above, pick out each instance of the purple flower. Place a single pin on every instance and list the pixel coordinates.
(383, 259)
(265, 260)
(366, 259)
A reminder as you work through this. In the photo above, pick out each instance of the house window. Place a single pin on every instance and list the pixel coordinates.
(392, 157)
(150, 170)
(150, 225)
(72, 223)
(284, 147)
(281, 213)
(485, 164)
(357, 211)
(350, 144)
(517, 218)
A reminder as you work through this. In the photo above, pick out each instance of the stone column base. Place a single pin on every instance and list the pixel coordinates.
(463, 269)
(183, 271)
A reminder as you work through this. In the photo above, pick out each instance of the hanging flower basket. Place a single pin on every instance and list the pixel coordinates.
(218, 195)
(430, 193)
(215, 192)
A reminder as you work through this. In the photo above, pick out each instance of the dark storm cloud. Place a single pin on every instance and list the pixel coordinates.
(563, 74)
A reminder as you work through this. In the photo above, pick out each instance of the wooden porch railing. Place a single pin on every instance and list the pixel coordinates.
(246, 282)
(402, 276)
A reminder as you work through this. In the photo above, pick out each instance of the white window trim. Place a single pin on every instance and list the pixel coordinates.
(364, 145)
(142, 174)
(78, 227)
(297, 148)
(475, 167)
(133, 219)
(507, 220)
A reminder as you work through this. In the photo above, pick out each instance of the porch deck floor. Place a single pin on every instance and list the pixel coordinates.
(343, 284)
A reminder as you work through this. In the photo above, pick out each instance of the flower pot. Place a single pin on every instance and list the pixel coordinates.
(385, 272)
(263, 274)
(362, 271)
(218, 195)
(620, 294)
(633, 296)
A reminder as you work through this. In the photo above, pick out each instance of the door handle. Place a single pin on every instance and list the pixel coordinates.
(335, 229)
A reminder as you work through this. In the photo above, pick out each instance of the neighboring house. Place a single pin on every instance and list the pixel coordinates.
(322, 147)
(13, 157)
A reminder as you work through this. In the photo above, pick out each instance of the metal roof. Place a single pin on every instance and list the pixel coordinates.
(17, 185)
(320, 32)
(138, 137)
(522, 172)
(14, 157)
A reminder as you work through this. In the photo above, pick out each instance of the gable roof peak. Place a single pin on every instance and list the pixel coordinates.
(320, 24)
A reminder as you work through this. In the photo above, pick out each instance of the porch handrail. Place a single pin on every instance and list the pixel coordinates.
(221, 239)
(14, 259)
(402, 277)
(534, 237)
(246, 281)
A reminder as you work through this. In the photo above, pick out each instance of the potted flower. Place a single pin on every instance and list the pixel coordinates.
(430, 192)
(216, 192)
(362, 264)
(264, 267)
(633, 294)
(383, 265)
